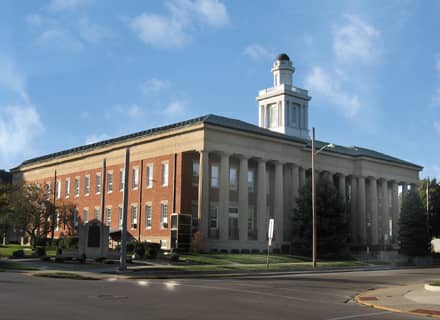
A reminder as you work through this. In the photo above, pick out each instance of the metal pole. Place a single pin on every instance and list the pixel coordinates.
(427, 205)
(267, 260)
(123, 251)
(313, 202)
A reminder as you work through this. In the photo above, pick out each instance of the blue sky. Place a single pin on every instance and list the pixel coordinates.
(78, 71)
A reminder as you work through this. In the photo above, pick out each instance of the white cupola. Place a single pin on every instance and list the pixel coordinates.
(284, 108)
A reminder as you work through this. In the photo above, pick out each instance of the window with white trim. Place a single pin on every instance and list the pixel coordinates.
(75, 218)
(149, 175)
(86, 215)
(214, 175)
(165, 173)
(273, 115)
(57, 221)
(163, 244)
(58, 189)
(195, 172)
(110, 182)
(213, 217)
(48, 189)
(121, 180)
(164, 215)
(97, 213)
(134, 216)
(121, 215)
(98, 183)
(233, 178)
(108, 214)
(135, 181)
(87, 185)
(251, 181)
(67, 188)
(77, 186)
(148, 215)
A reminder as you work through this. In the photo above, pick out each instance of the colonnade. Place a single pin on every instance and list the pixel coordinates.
(372, 203)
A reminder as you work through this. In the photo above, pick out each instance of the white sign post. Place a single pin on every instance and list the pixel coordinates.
(269, 240)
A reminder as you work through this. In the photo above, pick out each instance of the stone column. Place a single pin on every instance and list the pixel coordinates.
(261, 200)
(278, 203)
(362, 210)
(342, 187)
(243, 201)
(203, 199)
(224, 197)
(373, 210)
(395, 210)
(385, 212)
(353, 210)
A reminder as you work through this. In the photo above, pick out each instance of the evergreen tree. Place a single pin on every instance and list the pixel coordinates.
(434, 205)
(415, 239)
(332, 227)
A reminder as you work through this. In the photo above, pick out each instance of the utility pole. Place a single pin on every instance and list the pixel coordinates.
(123, 251)
(313, 201)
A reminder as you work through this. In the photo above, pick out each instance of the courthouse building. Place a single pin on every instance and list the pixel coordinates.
(230, 175)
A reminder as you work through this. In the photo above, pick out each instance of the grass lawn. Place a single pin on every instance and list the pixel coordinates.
(6, 251)
(8, 265)
(63, 275)
(236, 258)
(435, 283)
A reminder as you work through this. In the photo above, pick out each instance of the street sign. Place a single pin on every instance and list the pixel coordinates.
(270, 231)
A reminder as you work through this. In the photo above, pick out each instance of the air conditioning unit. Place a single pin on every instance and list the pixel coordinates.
(165, 224)
(134, 225)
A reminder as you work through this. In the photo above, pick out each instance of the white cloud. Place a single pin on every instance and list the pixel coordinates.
(258, 52)
(19, 126)
(61, 5)
(91, 32)
(326, 87)
(173, 30)
(59, 38)
(11, 78)
(133, 111)
(96, 138)
(356, 40)
(153, 85)
(175, 109)
(212, 12)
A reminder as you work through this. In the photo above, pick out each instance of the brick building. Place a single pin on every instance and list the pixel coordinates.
(229, 175)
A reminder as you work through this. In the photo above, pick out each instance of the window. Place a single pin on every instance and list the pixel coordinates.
(251, 181)
(121, 216)
(195, 213)
(214, 175)
(121, 179)
(67, 187)
(149, 176)
(108, 214)
(110, 182)
(294, 116)
(195, 175)
(98, 183)
(163, 244)
(97, 213)
(58, 189)
(48, 189)
(86, 215)
(76, 186)
(213, 212)
(134, 216)
(87, 185)
(232, 178)
(148, 214)
(164, 215)
(165, 169)
(273, 113)
(135, 181)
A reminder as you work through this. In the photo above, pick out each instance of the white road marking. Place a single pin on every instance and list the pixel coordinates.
(354, 316)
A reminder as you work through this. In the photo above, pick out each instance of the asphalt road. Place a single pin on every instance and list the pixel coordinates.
(312, 296)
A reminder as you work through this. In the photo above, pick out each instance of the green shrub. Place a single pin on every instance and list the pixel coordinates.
(131, 245)
(18, 254)
(140, 249)
(82, 258)
(152, 249)
(174, 257)
(40, 251)
(71, 242)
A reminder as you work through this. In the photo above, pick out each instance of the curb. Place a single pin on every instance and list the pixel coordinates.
(420, 312)
(432, 288)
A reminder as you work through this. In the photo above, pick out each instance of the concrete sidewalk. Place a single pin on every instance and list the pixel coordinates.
(412, 299)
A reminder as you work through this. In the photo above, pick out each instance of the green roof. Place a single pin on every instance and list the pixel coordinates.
(233, 124)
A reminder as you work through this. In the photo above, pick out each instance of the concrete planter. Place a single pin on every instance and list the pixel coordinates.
(432, 288)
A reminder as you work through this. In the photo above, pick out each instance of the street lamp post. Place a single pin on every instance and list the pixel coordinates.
(314, 222)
